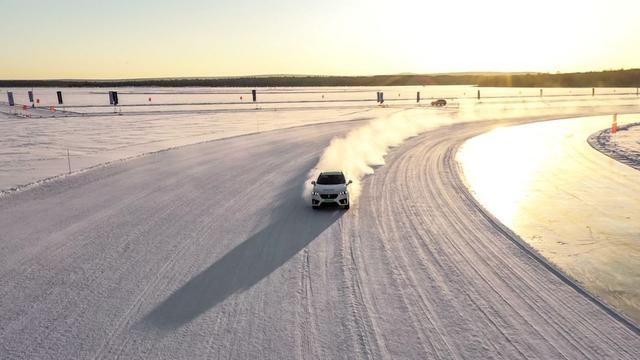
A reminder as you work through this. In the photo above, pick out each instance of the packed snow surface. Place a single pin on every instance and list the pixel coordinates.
(35, 142)
(208, 251)
(32, 149)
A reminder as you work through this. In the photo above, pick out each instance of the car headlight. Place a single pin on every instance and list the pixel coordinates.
(344, 192)
(314, 193)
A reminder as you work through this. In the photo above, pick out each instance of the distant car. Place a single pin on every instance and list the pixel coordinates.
(439, 102)
(330, 189)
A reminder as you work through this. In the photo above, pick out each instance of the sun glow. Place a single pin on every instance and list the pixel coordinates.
(120, 39)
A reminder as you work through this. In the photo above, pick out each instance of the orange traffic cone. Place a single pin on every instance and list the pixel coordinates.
(614, 125)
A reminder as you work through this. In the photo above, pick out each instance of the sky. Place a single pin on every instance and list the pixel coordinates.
(117, 39)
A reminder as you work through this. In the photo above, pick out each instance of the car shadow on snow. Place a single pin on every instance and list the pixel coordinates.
(293, 226)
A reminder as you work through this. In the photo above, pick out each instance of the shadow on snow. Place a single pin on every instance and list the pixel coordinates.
(294, 224)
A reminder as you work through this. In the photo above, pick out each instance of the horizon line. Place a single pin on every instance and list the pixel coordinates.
(403, 74)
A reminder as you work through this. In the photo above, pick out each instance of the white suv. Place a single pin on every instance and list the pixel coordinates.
(330, 189)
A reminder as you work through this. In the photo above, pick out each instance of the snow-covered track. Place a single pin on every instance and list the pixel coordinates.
(208, 251)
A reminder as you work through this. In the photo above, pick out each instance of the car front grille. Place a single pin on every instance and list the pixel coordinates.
(328, 196)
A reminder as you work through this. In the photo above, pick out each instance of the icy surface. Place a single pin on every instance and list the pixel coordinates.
(34, 142)
(208, 251)
(576, 207)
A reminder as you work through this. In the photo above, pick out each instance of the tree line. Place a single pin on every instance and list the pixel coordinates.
(612, 78)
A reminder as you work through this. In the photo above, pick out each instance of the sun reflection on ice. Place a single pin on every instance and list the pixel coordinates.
(501, 178)
(575, 206)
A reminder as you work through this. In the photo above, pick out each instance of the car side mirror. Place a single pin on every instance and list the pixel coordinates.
(349, 182)
(313, 183)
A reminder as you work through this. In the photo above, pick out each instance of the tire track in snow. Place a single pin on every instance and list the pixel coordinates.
(307, 334)
(417, 267)
(425, 318)
(533, 310)
(413, 231)
(358, 309)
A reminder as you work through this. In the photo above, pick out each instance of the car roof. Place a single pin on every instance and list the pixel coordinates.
(331, 173)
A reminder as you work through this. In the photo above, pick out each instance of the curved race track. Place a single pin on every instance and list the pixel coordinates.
(208, 251)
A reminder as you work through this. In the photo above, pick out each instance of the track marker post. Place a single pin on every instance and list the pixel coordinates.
(113, 99)
(69, 161)
(614, 124)
(254, 96)
(60, 102)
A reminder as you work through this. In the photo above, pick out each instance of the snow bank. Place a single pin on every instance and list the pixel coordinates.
(623, 146)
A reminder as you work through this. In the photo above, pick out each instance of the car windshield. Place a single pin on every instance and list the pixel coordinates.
(325, 179)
